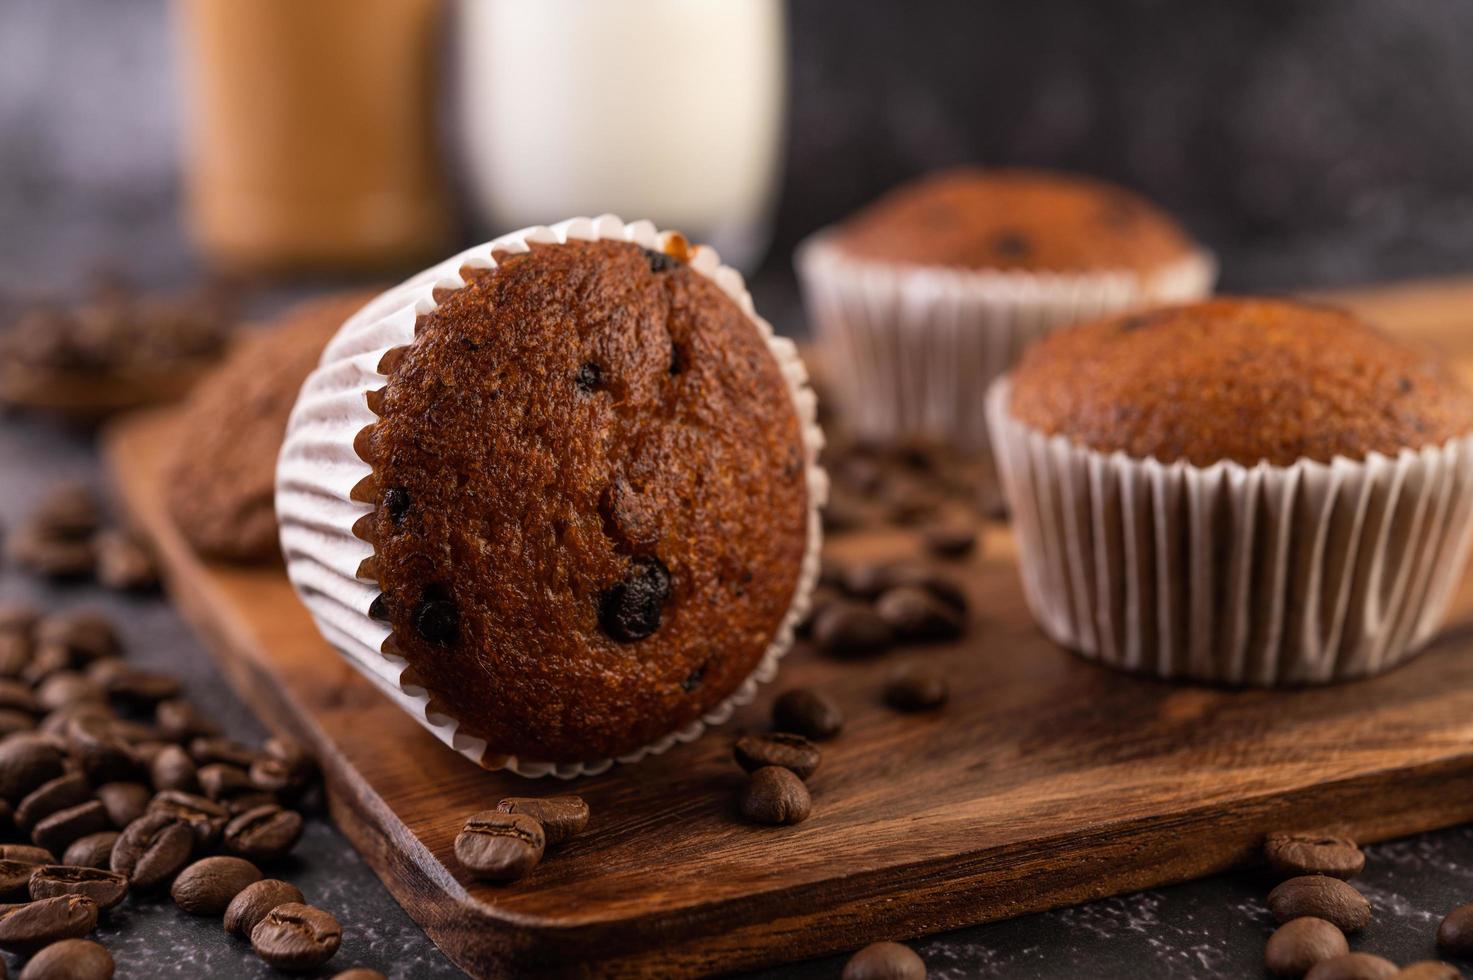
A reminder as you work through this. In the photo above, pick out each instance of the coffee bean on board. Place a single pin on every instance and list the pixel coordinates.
(208, 886)
(915, 614)
(916, 689)
(775, 795)
(808, 712)
(560, 816)
(845, 628)
(497, 846)
(1291, 854)
(1299, 944)
(1323, 897)
(792, 752)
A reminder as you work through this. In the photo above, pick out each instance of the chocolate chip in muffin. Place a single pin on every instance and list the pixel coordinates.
(631, 609)
(437, 619)
(660, 261)
(396, 503)
(590, 375)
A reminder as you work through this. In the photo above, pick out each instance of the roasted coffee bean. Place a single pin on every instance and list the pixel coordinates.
(807, 712)
(15, 880)
(1299, 944)
(124, 562)
(631, 610)
(104, 757)
(885, 961)
(359, 973)
(17, 696)
(775, 795)
(13, 722)
(132, 686)
(267, 833)
(152, 849)
(204, 817)
(26, 853)
(26, 929)
(57, 724)
(296, 937)
(70, 959)
(53, 795)
(179, 720)
(138, 735)
(173, 768)
(106, 888)
(560, 816)
(792, 752)
(1455, 933)
(27, 761)
(68, 687)
(58, 831)
(950, 539)
(1429, 970)
(1323, 897)
(18, 617)
(92, 851)
(68, 509)
(1353, 966)
(1293, 854)
(495, 846)
(46, 661)
(51, 557)
(916, 689)
(283, 767)
(660, 261)
(148, 751)
(85, 635)
(850, 629)
(208, 886)
(220, 780)
(915, 614)
(236, 805)
(15, 654)
(208, 751)
(254, 901)
(124, 802)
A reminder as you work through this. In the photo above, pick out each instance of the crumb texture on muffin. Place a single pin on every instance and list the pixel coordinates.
(590, 497)
(1240, 379)
(222, 469)
(1035, 221)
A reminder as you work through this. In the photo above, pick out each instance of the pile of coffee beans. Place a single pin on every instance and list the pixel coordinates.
(1316, 906)
(506, 843)
(927, 487)
(112, 784)
(864, 609)
(64, 539)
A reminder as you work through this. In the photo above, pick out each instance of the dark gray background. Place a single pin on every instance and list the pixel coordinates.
(1309, 143)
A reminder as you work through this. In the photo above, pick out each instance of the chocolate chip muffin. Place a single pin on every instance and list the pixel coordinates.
(1029, 220)
(589, 496)
(222, 471)
(1242, 380)
(1240, 491)
(922, 298)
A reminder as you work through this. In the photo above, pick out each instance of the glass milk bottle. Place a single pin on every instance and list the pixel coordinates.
(670, 110)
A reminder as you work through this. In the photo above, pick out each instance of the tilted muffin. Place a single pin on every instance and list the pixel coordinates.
(558, 495)
(925, 296)
(222, 470)
(1242, 490)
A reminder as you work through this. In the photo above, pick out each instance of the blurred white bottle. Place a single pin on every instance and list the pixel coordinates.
(671, 110)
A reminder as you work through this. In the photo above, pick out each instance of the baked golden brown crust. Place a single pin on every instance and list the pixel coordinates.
(591, 500)
(1015, 219)
(222, 471)
(1238, 379)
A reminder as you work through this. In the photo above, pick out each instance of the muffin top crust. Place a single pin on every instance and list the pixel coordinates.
(972, 218)
(591, 500)
(1238, 379)
(222, 469)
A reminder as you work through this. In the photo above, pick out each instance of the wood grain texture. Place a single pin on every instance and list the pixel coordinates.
(1046, 781)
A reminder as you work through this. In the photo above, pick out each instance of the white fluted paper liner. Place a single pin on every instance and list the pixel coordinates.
(909, 350)
(318, 469)
(1264, 575)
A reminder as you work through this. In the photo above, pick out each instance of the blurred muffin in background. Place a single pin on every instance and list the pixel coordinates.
(925, 296)
(222, 470)
(1239, 491)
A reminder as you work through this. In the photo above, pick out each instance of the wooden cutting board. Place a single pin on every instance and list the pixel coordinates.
(1046, 781)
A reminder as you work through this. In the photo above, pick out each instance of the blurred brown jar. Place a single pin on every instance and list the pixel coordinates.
(311, 140)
